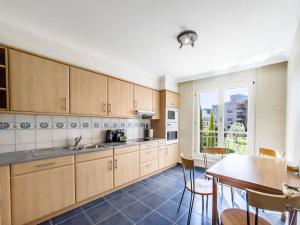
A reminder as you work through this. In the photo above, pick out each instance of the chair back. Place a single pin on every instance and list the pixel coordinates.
(188, 170)
(270, 153)
(213, 151)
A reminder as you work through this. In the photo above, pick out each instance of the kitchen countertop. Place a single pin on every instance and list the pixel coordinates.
(39, 154)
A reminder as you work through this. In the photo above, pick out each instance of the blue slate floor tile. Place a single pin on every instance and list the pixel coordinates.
(116, 219)
(93, 203)
(48, 222)
(140, 192)
(100, 212)
(114, 194)
(136, 211)
(122, 201)
(154, 219)
(169, 210)
(66, 215)
(166, 192)
(196, 219)
(153, 200)
(76, 220)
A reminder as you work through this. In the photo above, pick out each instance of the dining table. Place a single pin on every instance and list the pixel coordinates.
(250, 172)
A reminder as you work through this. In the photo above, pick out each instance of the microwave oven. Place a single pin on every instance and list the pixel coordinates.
(172, 115)
(172, 133)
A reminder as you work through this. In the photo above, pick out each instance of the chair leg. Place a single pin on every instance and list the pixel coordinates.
(181, 199)
(206, 201)
(222, 189)
(190, 209)
(232, 196)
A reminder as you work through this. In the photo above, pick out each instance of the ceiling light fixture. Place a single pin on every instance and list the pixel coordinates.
(187, 37)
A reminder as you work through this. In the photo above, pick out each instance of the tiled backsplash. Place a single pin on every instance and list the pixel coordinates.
(26, 132)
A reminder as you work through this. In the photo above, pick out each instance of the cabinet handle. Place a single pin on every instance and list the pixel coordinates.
(109, 108)
(116, 164)
(46, 164)
(65, 104)
(110, 165)
(104, 107)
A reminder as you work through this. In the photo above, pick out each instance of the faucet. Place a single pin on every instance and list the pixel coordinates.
(77, 140)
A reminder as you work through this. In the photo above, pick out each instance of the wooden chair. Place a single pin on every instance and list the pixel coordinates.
(259, 200)
(265, 152)
(216, 151)
(197, 186)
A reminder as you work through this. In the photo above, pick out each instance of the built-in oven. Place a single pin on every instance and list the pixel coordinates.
(172, 115)
(172, 133)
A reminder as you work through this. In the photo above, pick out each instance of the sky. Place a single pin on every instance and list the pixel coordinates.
(207, 99)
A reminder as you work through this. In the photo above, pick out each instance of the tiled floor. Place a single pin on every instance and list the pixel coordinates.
(152, 201)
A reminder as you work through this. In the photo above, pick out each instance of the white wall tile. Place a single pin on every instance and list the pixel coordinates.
(42, 145)
(60, 134)
(43, 135)
(25, 118)
(96, 133)
(7, 148)
(7, 137)
(25, 136)
(9, 118)
(62, 119)
(43, 118)
(25, 147)
(63, 143)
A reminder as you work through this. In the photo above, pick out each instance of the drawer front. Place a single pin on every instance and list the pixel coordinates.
(124, 150)
(149, 145)
(162, 142)
(39, 165)
(93, 156)
(161, 157)
(149, 167)
(149, 154)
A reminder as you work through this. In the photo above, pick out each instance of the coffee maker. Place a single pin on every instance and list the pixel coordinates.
(118, 135)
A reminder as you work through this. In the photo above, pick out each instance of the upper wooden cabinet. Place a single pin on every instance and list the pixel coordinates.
(37, 84)
(120, 98)
(156, 104)
(172, 99)
(142, 98)
(88, 92)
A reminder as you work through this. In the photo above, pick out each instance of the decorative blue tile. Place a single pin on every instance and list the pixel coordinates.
(25, 125)
(80, 219)
(154, 219)
(66, 215)
(153, 200)
(129, 124)
(169, 210)
(44, 125)
(59, 125)
(73, 125)
(85, 125)
(93, 203)
(100, 212)
(136, 211)
(122, 201)
(140, 192)
(115, 125)
(122, 125)
(4, 125)
(116, 219)
(96, 125)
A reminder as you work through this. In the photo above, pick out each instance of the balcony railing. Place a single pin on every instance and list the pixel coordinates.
(234, 141)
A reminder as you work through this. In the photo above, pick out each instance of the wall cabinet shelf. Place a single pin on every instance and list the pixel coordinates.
(3, 79)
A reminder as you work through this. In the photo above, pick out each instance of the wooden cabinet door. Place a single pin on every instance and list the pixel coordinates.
(38, 194)
(126, 168)
(161, 157)
(142, 98)
(37, 84)
(5, 204)
(172, 99)
(156, 104)
(120, 98)
(93, 178)
(171, 154)
(88, 92)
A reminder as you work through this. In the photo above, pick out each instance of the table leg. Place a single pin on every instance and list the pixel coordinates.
(215, 202)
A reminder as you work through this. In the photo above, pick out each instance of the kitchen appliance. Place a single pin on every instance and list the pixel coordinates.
(144, 114)
(148, 132)
(172, 115)
(172, 133)
(109, 136)
(118, 135)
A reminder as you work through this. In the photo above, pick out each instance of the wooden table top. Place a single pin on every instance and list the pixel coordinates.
(257, 173)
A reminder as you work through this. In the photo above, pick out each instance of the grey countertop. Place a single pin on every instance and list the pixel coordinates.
(39, 154)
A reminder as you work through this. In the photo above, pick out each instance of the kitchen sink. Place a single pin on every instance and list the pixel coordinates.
(85, 147)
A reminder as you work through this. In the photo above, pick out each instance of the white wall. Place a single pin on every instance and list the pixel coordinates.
(266, 100)
(293, 103)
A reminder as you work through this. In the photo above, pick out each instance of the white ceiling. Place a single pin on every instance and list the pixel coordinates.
(141, 34)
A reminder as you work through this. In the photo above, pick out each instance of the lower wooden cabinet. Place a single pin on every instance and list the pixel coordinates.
(149, 167)
(171, 154)
(38, 194)
(93, 178)
(5, 210)
(161, 157)
(126, 168)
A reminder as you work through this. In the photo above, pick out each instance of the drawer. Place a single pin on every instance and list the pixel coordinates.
(161, 157)
(148, 154)
(149, 145)
(39, 165)
(161, 142)
(93, 156)
(148, 167)
(124, 150)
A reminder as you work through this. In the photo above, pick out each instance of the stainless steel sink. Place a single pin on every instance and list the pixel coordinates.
(85, 147)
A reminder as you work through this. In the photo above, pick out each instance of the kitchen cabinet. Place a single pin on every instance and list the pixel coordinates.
(156, 104)
(5, 205)
(120, 98)
(88, 92)
(171, 154)
(37, 84)
(142, 98)
(161, 157)
(148, 158)
(172, 99)
(37, 194)
(126, 165)
(149, 167)
(95, 176)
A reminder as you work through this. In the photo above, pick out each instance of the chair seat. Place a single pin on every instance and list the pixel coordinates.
(239, 217)
(202, 187)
